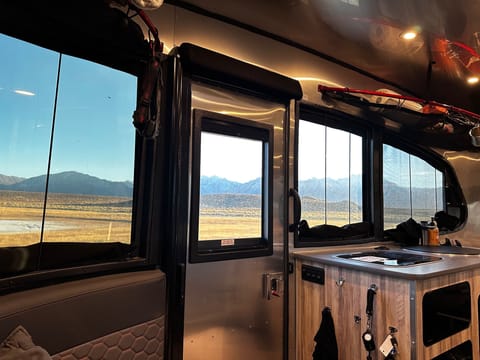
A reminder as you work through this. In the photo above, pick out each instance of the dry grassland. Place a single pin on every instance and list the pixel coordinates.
(78, 218)
(87, 218)
(217, 228)
(246, 222)
(338, 218)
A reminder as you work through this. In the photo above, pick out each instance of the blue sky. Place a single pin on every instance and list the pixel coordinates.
(93, 132)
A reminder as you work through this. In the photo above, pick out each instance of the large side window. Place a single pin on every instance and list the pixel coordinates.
(412, 188)
(340, 183)
(231, 200)
(329, 174)
(27, 94)
(92, 154)
(67, 149)
(330, 181)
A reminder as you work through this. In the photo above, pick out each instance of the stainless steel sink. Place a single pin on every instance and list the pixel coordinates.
(389, 257)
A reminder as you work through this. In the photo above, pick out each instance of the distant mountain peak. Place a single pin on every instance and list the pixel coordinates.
(9, 180)
(218, 185)
(72, 182)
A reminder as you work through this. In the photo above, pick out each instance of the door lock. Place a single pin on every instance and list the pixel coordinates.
(273, 285)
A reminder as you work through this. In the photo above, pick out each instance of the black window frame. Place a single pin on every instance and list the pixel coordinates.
(341, 121)
(375, 137)
(452, 195)
(212, 250)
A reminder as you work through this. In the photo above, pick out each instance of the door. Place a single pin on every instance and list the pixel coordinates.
(228, 196)
(234, 298)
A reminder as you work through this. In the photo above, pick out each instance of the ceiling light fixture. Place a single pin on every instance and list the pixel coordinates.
(409, 35)
(472, 80)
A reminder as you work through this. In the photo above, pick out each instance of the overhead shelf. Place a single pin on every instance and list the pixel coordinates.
(446, 126)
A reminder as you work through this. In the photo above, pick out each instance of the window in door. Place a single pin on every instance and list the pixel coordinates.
(231, 188)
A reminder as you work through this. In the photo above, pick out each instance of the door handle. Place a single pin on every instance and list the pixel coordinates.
(273, 285)
(297, 210)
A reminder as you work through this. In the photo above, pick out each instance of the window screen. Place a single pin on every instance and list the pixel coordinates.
(330, 168)
(412, 188)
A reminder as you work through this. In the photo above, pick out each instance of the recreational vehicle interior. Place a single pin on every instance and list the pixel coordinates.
(289, 179)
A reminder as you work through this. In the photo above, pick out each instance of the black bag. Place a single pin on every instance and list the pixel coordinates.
(406, 233)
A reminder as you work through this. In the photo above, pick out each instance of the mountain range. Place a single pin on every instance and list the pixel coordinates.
(217, 191)
(69, 182)
(312, 192)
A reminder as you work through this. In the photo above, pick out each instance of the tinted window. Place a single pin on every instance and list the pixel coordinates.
(67, 149)
(411, 187)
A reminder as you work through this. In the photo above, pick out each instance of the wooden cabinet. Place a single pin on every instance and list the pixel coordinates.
(398, 303)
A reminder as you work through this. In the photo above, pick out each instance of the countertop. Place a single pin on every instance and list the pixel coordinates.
(448, 263)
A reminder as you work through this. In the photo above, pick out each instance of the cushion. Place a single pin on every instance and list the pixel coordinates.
(19, 346)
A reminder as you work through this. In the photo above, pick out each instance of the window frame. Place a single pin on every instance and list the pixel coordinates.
(452, 194)
(341, 121)
(375, 136)
(212, 250)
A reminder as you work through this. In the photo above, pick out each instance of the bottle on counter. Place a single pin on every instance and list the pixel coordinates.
(433, 233)
(424, 238)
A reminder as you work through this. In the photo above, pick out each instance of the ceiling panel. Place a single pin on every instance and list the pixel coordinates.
(367, 34)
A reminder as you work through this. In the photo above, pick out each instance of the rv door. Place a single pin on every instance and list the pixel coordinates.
(230, 227)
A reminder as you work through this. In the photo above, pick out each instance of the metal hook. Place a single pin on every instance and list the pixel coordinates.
(340, 282)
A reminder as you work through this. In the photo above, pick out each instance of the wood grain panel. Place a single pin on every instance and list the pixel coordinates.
(310, 301)
(398, 303)
(471, 333)
(475, 330)
(391, 308)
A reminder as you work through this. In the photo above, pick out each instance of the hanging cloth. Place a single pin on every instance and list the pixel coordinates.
(326, 347)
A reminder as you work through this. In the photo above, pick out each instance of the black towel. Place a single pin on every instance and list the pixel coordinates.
(326, 348)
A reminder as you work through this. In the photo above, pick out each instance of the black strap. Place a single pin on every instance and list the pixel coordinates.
(367, 336)
(370, 294)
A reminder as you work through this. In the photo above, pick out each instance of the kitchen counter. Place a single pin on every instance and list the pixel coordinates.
(448, 263)
(433, 305)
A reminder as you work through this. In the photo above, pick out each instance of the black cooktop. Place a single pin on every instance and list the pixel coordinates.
(389, 257)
